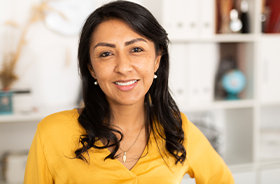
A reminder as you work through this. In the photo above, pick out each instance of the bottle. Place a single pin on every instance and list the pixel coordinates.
(244, 17)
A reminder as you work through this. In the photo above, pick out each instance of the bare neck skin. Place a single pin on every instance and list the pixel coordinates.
(129, 118)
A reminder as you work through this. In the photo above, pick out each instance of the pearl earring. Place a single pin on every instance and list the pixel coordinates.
(155, 76)
(95, 83)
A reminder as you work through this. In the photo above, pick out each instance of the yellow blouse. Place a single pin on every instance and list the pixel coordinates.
(51, 158)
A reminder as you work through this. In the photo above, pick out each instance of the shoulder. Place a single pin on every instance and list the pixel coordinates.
(60, 123)
(187, 125)
(59, 134)
(56, 139)
(59, 119)
(193, 136)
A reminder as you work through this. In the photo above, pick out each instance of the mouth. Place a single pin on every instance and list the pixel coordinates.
(127, 83)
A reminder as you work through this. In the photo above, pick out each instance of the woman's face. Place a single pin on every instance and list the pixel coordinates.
(123, 62)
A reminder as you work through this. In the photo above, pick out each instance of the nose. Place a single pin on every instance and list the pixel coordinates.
(123, 64)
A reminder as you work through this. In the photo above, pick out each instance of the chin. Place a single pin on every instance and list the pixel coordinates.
(129, 102)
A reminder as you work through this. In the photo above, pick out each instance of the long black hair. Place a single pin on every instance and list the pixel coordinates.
(162, 114)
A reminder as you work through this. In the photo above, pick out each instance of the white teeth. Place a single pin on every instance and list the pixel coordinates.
(125, 83)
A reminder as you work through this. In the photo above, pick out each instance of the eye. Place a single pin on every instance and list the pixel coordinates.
(137, 49)
(105, 54)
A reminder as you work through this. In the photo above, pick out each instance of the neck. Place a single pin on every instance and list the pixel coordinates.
(129, 118)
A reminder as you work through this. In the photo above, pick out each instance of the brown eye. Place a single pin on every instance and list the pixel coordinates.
(137, 49)
(105, 54)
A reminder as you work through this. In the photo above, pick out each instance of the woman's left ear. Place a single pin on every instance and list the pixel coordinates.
(157, 62)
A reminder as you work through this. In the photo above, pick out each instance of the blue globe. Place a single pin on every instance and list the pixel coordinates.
(233, 82)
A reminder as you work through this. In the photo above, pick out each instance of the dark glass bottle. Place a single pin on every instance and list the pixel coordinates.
(244, 17)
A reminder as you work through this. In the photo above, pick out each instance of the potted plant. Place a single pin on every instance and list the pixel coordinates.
(8, 69)
(7, 77)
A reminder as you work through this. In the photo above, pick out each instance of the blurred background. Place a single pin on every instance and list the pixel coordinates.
(224, 75)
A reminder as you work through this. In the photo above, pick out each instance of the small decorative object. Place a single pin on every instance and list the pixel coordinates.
(235, 24)
(7, 77)
(6, 102)
(226, 64)
(233, 83)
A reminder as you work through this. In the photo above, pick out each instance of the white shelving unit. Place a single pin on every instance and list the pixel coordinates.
(251, 123)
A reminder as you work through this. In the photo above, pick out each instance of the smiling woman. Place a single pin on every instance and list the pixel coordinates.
(130, 130)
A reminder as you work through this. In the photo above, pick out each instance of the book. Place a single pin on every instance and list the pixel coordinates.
(273, 23)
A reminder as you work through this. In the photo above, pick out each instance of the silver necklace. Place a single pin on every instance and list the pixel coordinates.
(124, 152)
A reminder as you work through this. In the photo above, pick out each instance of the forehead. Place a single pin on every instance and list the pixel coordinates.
(113, 29)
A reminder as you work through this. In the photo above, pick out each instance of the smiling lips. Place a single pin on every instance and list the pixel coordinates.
(126, 85)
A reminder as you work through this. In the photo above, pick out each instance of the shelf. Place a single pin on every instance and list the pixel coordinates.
(270, 104)
(232, 38)
(33, 116)
(235, 38)
(30, 117)
(269, 163)
(254, 166)
(242, 167)
(275, 35)
(234, 104)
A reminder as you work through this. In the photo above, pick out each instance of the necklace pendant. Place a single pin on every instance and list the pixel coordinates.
(124, 156)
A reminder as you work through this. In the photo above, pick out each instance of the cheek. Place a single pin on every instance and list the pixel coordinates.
(146, 70)
(100, 70)
(149, 65)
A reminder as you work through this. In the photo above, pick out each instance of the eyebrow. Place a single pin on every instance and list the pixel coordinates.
(104, 44)
(134, 40)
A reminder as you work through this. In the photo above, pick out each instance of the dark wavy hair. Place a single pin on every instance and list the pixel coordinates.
(162, 114)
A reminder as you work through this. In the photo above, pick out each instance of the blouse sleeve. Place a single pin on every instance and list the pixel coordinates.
(205, 164)
(37, 171)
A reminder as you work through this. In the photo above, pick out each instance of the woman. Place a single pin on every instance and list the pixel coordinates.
(130, 130)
